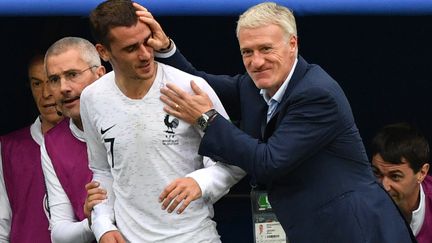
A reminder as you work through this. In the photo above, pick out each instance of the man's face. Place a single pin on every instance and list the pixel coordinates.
(267, 55)
(41, 93)
(400, 181)
(130, 56)
(68, 75)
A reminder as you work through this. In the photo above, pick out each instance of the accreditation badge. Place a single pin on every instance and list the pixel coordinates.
(267, 228)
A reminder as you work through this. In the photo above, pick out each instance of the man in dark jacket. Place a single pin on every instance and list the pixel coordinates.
(297, 134)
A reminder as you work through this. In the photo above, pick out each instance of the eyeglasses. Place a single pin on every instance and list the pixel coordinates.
(69, 75)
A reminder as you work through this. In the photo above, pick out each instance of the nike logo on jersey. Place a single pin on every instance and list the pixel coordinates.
(106, 130)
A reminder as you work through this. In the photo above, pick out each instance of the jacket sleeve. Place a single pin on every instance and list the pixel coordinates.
(309, 122)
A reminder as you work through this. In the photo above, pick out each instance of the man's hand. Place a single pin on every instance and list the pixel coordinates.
(95, 195)
(188, 107)
(112, 237)
(159, 40)
(180, 190)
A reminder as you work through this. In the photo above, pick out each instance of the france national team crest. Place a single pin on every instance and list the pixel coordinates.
(171, 124)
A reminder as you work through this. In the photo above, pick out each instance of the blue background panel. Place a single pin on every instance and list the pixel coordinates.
(220, 7)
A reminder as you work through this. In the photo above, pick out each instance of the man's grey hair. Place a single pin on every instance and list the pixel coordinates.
(86, 49)
(268, 13)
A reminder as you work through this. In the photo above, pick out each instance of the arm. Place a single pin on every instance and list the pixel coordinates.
(310, 122)
(211, 183)
(103, 220)
(216, 178)
(64, 227)
(5, 210)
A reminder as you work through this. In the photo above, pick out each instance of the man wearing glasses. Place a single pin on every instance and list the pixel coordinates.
(71, 64)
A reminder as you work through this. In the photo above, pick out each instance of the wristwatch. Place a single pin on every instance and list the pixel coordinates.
(205, 118)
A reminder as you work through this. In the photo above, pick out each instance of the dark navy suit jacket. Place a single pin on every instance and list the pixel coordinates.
(309, 155)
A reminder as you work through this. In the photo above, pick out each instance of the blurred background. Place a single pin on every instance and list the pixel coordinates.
(379, 51)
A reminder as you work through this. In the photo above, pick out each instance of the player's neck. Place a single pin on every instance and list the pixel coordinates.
(134, 88)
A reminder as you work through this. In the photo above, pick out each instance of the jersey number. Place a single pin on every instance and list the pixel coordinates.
(111, 141)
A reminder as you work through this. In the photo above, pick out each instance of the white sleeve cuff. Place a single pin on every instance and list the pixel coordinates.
(166, 54)
(216, 179)
(102, 225)
(204, 180)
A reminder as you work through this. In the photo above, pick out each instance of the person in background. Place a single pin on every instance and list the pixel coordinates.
(72, 63)
(297, 137)
(400, 160)
(21, 177)
(136, 149)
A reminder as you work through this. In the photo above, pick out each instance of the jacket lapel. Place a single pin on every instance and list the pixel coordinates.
(267, 129)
